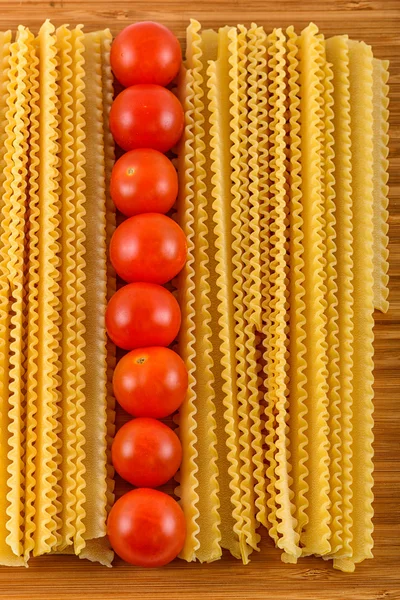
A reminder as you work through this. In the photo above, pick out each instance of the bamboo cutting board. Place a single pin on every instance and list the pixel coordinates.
(377, 22)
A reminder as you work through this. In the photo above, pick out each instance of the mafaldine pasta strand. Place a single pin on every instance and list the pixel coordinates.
(95, 417)
(224, 120)
(316, 532)
(256, 101)
(204, 48)
(68, 278)
(283, 527)
(10, 547)
(78, 118)
(380, 76)
(207, 545)
(361, 116)
(32, 253)
(109, 158)
(338, 56)
(187, 477)
(246, 365)
(46, 491)
(297, 379)
(331, 302)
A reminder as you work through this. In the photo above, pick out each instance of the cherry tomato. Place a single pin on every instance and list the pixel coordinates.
(149, 247)
(150, 382)
(145, 52)
(146, 528)
(146, 116)
(143, 181)
(146, 452)
(141, 315)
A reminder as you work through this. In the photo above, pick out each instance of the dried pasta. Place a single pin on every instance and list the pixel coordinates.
(361, 115)
(224, 118)
(380, 76)
(187, 490)
(10, 542)
(298, 435)
(283, 524)
(32, 302)
(68, 275)
(316, 532)
(338, 56)
(331, 285)
(46, 491)
(256, 79)
(78, 116)
(283, 198)
(95, 417)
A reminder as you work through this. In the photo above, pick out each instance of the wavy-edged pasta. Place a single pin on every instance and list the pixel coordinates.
(338, 56)
(297, 379)
(68, 277)
(10, 549)
(78, 118)
(224, 118)
(205, 542)
(316, 531)
(361, 116)
(380, 76)
(257, 98)
(283, 526)
(187, 490)
(47, 492)
(32, 303)
(331, 301)
(95, 377)
(14, 212)
(109, 156)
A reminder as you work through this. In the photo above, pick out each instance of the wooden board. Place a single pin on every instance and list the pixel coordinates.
(56, 578)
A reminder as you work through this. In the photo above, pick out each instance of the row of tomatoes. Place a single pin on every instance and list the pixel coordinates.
(146, 527)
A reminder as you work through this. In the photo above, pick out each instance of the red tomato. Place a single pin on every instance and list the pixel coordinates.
(146, 116)
(146, 452)
(145, 52)
(150, 382)
(141, 315)
(146, 528)
(149, 247)
(143, 181)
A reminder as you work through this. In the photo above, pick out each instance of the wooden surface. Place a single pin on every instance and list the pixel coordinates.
(51, 578)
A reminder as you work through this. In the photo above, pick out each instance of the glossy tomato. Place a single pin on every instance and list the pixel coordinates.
(146, 528)
(146, 116)
(146, 452)
(149, 247)
(143, 181)
(150, 382)
(141, 315)
(145, 52)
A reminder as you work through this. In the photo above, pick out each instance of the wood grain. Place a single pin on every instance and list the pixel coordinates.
(377, 23)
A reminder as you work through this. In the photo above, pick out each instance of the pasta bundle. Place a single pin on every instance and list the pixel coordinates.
(55, 407)
(283, 197)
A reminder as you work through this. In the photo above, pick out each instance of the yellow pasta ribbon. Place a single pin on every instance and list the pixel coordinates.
(9, 552)
(380, 76)
(361, 117)
(316, 532)
(47, 492)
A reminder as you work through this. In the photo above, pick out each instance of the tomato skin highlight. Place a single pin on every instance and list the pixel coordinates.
(146, 453)
(146, 116)
(143, 181)
(142, 314)
(149, 247)
(145, 52)
(146, 528)
(150, 382)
